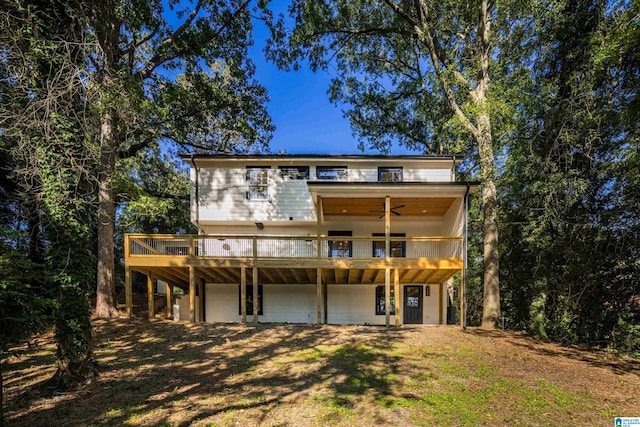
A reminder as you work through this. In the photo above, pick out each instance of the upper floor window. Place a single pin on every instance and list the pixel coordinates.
(294, 172)
(386, 174)
(334, 173)
(258, 183)
(340, 248)
(398, 248)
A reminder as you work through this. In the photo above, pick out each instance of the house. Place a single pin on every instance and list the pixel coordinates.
(365, 239)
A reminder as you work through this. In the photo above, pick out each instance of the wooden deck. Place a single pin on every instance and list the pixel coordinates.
(188, 261)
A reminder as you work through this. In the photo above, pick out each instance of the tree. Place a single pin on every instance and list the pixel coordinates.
(43, 122)
(414, 72)
(212, 105)
(569, 212)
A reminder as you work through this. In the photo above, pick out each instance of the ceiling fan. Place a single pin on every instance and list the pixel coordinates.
(392, 210)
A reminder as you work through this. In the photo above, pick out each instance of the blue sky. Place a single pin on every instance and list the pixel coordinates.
(305, 120)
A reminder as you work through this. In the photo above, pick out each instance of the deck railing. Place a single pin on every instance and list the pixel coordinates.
(270, 246)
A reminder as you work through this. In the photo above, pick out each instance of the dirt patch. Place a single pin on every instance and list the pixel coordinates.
(178, 374)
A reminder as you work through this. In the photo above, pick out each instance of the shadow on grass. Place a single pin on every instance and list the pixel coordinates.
(153, 370)
(594, 357)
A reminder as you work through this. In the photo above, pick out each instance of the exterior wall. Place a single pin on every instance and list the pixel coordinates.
(347, 304)
(222, 188)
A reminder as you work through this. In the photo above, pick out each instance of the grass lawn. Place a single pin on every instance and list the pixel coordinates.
(162, 373)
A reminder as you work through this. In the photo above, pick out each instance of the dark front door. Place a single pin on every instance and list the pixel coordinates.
(413, 304)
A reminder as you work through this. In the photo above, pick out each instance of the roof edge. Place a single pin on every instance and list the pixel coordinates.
(189, 156)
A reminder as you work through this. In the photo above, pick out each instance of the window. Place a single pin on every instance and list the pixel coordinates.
(250, 300)
(398, 248)
(389, 174)
(340, 248)
(258, 182)
(333, 173)
(380, 300)
(294, 172)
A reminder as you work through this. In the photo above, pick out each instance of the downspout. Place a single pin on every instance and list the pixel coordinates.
(197, 195)
(463, 282)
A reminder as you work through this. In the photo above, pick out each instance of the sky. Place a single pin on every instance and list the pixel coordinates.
(306, 122)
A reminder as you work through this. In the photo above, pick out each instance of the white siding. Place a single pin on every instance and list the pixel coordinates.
(282, 303)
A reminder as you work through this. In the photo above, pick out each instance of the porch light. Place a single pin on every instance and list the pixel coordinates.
(259, 225)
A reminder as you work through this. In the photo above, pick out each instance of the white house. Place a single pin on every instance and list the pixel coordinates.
(314, 238)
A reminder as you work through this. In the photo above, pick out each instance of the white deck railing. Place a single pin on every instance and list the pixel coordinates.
(266, 246)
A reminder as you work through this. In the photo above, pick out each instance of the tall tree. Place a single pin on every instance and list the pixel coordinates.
(43, 122)
(171, 72)
(417, 72)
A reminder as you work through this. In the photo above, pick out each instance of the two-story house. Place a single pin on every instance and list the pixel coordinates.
(314, 238)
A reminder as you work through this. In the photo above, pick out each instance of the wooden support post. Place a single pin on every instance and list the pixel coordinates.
(440, 303)
(201, 301)
(325, 295)
(192, 294)
(256, 306)
(387, 227)
(150, 299)
(396, 295)
(387, 295)
(128, 291)
(318, 218)
(462, 302)
(243, 294)
(169, 292)
(319, 294)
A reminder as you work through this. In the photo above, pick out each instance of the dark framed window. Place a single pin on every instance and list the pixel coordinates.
(258, 183)
(380, 300)
(386, 174)
(398, 247)
(333, 173)
(294, 172)
(340, 248)
(250, 300)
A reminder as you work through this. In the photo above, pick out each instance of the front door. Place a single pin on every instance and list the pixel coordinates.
(413, 304)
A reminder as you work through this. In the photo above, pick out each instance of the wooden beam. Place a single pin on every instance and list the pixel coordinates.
(267, 272)
(462, 304)
(243, 294)
(387, 229)
(256, 306)
(440, 308)
(150, 299)
(387, 295)
(318, 223)
(201, 312)
(296, 276)
(396, 295)
(169, 292)
(319, 295)
(325, 292)
(128, 291)
(192, 294)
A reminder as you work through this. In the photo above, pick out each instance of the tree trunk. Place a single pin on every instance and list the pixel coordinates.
(106, 288)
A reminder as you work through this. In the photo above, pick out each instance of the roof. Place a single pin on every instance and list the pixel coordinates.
(276, 157)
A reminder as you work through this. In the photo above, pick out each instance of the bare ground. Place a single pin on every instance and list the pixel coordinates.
(178, 374)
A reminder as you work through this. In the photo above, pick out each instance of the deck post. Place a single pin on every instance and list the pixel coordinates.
(396, 295)
(256, 306)
(150, 299)
(128, 291)
(318, 218)
(440, 307)
(319, 294)
(387, 295)
(201, 301)
(192, 294)
(169, 291)
(462, 302)
(243, 294)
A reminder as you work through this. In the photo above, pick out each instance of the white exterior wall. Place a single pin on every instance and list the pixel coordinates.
(222, 188)
(347, 304)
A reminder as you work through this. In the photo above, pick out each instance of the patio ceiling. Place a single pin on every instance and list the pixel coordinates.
(424, 207)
